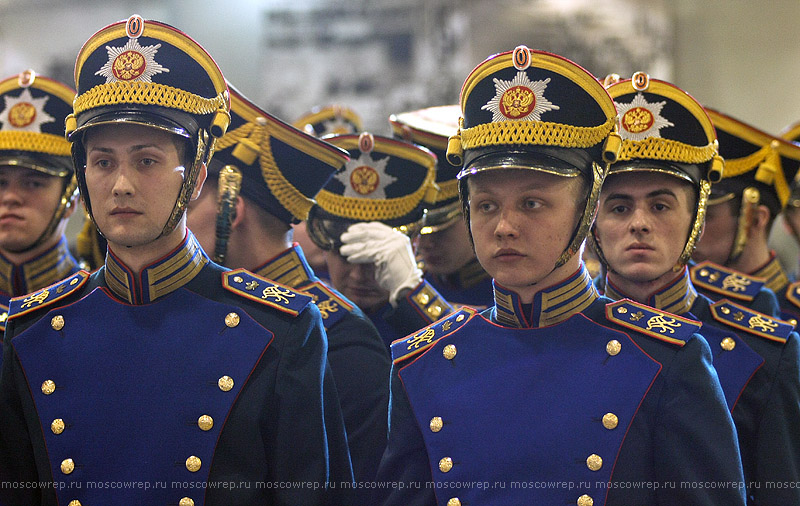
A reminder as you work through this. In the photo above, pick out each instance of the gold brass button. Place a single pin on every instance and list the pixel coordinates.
(446, 464)
(594, 462)
(423, 298)
(67, 466)
(57, 322)
(74, 502)
(225, 383)
(460, 318)
(237, 279)
(48, 387)
(449, 352)
(792, 322)
(193, 464)
(435, 311)
(728, 344)
(613, 347)
(232, 320)
(585, 500)
(186, 501)
(57, 426)
(205, 422)
(436, 424)
(454, 502)
(610, 421)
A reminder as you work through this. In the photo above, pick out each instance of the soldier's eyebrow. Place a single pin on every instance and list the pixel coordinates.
(654, 193)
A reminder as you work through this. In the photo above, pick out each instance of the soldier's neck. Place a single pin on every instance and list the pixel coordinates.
(19, 258)
(755, 255)
(136, 257)
(642, 290)
(253, 247)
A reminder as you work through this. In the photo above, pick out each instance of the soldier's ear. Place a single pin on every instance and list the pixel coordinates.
(202, 173)
(239, 211)
(761, 219)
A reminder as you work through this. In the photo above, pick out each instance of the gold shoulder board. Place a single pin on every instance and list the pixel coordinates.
(407, 347)
(655, 323)
(248, 285)
(752, 322)
(25, 304)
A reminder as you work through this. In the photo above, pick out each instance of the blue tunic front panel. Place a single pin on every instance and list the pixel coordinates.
(99, 382)
(527, 417)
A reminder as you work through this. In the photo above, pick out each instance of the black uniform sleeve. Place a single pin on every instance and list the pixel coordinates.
(304, 450)
(361, 368)
(696, 449)
(777, 468)
(405, 473)
(19, 478)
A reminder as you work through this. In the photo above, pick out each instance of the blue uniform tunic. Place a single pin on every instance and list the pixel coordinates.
(183, 384)
(53, 265)
(565, 402)
(758, 364)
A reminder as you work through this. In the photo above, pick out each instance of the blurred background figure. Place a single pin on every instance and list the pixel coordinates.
(365, 218)
(743, 206)
(38, 190)
(444, 248)
(321, 121)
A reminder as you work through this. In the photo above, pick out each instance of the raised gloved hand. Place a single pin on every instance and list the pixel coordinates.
(374, 242)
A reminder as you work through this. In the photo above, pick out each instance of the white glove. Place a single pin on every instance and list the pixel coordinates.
(395, 266)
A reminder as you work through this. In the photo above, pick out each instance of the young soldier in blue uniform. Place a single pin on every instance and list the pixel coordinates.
(38, 190)
(496, 407)
(443, 246)
(383, 193)
(656, 193)
(264, 176)
(734, 258)
(198, 384)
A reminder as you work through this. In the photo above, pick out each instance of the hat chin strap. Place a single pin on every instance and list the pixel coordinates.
(205, 148)
(587, 218)
(228, 187)
(67, 196)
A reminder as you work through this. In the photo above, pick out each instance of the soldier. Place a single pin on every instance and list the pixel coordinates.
(382, 193)
(320, 121)
(38, 190)
(264, 176)
(443, 246)
(734, 258)
(653, 198)
(161, 368)
(618, 402)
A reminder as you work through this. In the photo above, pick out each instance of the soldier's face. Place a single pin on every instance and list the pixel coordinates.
(642, 225)
(133, 175)
(719, 233)
(447, 250)
(28, 200)
(521, 222)
(357, 282)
